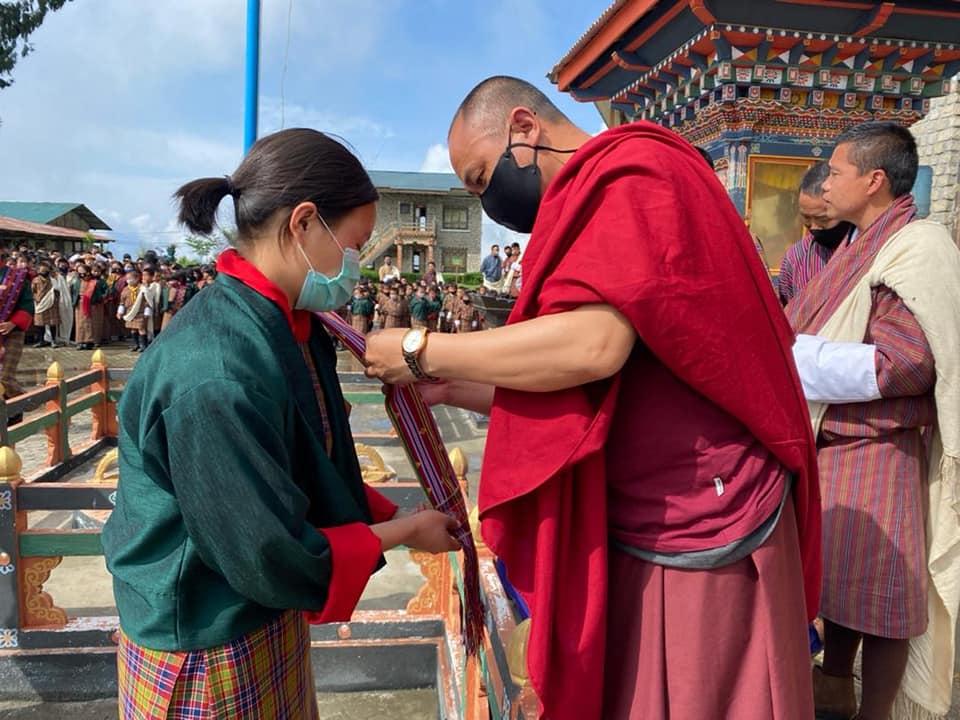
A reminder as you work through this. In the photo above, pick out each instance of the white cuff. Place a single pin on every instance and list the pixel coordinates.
(834, 372)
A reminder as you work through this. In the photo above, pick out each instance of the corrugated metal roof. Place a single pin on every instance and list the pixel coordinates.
(25, 227)
(45, 212)
(416, 181)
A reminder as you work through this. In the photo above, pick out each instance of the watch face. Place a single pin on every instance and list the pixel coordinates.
(412, 340)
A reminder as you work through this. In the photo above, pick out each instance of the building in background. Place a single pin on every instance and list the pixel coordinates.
(766, 86)
(423, 217)
(66, 227)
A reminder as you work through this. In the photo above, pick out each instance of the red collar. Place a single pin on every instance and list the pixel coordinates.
(236, 266)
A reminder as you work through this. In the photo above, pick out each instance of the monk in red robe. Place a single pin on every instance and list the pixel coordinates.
(660, 512)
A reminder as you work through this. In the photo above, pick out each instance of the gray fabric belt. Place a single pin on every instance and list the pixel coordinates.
(712, 557)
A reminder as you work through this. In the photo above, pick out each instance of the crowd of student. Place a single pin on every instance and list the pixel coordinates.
(90, 299)
(428, 303)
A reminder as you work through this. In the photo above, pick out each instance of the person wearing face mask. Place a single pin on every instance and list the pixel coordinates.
(46, 313)
(661, 517)
(824, 235)
(395, 310)
(241, 507)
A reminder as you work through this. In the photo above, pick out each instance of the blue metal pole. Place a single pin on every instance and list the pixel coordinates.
(251, 99)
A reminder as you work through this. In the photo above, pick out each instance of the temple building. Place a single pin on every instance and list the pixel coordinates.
(766, 86)
(424, 217)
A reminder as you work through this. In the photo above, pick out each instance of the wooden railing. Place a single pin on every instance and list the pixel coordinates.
(63, 399)
(491, 685)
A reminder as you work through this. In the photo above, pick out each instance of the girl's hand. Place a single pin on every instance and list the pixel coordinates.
(430, 532)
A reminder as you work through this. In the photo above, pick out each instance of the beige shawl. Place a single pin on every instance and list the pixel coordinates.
(922, 265)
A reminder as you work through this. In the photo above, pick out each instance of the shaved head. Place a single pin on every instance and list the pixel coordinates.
(488, 105)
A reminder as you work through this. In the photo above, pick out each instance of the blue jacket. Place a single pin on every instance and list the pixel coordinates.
(492, 268)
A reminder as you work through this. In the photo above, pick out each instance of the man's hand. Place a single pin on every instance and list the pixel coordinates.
(384, 357)
(6, 328)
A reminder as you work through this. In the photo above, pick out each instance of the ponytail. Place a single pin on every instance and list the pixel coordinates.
(280, 170)
(199, 200)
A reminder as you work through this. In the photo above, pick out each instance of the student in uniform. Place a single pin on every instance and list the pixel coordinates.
(394, 311)
(88, 301)
(419, 310)
(241, 505)
(465, 316)
(361, 310)
(447, 309)
(176, 295)
(133, 308)
(153, 293)
(46, 314)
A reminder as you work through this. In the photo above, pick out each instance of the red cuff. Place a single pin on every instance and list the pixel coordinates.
(380, 507)
(356, 551)
(22, 319)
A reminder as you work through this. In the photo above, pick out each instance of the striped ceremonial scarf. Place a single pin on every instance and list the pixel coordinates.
(819, 300)
(13, 283)
(421, 440)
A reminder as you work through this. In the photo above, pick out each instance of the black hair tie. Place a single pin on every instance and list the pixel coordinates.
(231, 188)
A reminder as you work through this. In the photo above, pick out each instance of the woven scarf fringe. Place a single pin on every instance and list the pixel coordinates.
(906, 709)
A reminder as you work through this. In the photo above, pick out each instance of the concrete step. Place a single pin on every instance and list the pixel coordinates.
(407, 704)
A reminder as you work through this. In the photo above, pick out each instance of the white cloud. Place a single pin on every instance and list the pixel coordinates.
(294, 115)
(437, 159)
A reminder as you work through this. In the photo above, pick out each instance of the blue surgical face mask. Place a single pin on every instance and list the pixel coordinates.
(321, 293)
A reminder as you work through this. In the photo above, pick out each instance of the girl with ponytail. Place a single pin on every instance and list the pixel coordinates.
(241, 511)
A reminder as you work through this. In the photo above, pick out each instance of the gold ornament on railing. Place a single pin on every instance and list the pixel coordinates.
(375, 470)
(10, 465)
(54, 372)
(107, 463)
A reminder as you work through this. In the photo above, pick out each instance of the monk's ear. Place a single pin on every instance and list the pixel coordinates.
(524, 125)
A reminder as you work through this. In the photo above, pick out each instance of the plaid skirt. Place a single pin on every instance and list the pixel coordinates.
(264, 674)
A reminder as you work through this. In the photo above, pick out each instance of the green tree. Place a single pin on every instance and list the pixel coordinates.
(18, 20)
(206, 247)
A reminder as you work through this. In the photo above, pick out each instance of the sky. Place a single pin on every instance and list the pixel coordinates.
(121, 102)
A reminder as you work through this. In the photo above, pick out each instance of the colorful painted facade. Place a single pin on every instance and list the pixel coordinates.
(764, 85)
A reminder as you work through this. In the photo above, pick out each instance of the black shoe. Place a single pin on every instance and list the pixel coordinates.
(42, 344)
(135, 348)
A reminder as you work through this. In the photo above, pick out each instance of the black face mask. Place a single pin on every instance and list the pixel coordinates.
(512, 197)
(832, 237)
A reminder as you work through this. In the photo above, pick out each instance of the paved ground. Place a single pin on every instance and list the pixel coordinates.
(406, 704)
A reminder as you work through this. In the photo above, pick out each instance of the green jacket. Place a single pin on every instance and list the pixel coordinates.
(224, 475)
(99, 292)
(423, 308)
(361, 306)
